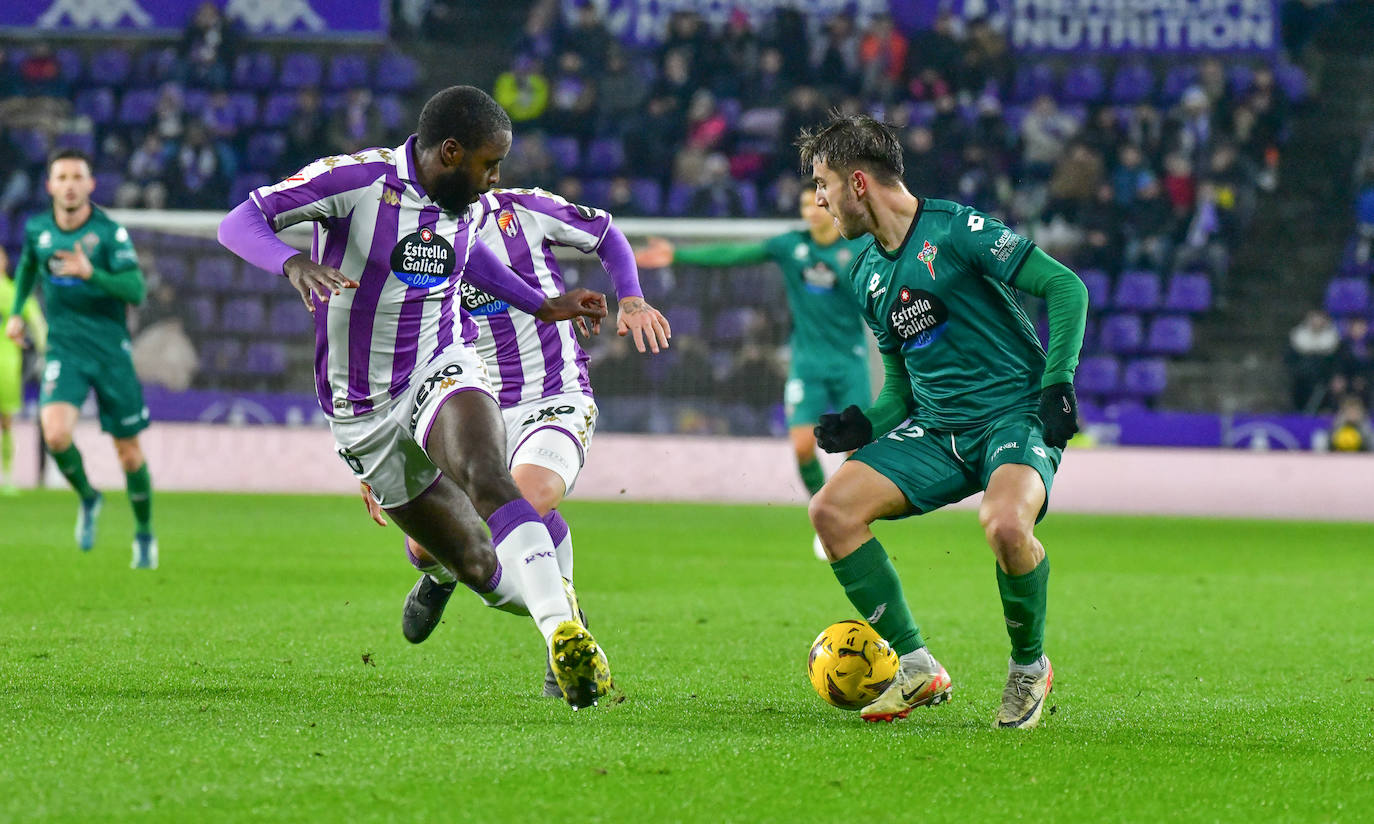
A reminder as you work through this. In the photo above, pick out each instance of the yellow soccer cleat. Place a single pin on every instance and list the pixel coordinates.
(921, 682)
(579, 665)
(1023, 699)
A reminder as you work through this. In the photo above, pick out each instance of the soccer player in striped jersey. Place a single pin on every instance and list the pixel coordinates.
(538, 370)
(408, 400)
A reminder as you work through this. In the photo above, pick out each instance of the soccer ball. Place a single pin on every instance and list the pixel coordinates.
(850, 665)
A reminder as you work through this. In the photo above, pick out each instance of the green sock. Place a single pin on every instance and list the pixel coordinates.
(140, 486)
(873, 587)
(70, 465)
(813, 475)
(1023, 605)
(6, 452)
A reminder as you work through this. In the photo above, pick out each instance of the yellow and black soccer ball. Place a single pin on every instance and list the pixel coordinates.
(850, 665)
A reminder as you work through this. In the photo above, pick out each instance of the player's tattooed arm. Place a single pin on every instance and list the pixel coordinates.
(645, 323)
(314, 279)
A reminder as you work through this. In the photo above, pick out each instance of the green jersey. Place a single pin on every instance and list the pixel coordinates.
(85, 317)
(944, 301)
(827, 328)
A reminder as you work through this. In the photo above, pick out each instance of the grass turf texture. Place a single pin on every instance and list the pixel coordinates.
(1205, 670)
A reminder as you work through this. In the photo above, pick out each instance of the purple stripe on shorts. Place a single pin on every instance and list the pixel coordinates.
(364, 311)
(408, 325)
(507, 358)
(509, 516)
(558, 528)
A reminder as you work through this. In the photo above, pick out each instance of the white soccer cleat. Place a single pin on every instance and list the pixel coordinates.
(920, 682)
(819, 549)
(145, 552)
(1023, 698)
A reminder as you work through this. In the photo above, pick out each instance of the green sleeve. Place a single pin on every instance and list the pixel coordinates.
(24, 277)
(127, 285)
(895, 402)
(723, 254)
(1066, 298)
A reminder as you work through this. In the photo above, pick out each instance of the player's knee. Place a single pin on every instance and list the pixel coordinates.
(476, 568)
(130, 455)
(57, 439)
(1004, 530)
(830, 520)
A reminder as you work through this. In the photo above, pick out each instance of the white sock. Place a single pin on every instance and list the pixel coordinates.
(526, 553)
(919, 660)
(563, 548)
(1037, 667)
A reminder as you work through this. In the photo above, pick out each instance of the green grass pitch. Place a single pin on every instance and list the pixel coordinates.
(1205, 671)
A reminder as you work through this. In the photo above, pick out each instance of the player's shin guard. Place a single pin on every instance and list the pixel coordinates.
(871, 582)
(1023, 606)
(561, 536)
(524, 548)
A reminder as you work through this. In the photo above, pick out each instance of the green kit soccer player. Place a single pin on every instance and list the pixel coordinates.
(11, 371)
(829, 369)
(90, 276)
(970, 402)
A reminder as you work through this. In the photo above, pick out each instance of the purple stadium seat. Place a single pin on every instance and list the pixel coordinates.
(1122, 334)
(200, 313)
(136, 107)
(1346, 297)
(245, 106)
(264, 150)
(346, 71)
(392, 112)
(214, 274)
(171, 269)
(97, 104)
(32, 143)
(1137, 291)
(1031, 82)
(300, 70)
(155, 66)
(255, 70)
(1098, 375)
(1189, 292)
(686, 320)
(245, 183)
(106, 184)
(221, 356)
(85, 141)
(1145, 378)
(565, 153)
(288, 318)
(6, 230)
(1170, 335)
(595, 192)
(111, 67)
(195, 101)
(1083, 84)
(1132, 84)
(679, 195)
(648, 194)
(1239, 78)
(1176, 80)
(396, 73)
(605, 156)
(264, 358)
(278, 110)
(1099, 285)
(731, 325)
(1292, 80)
(69, 64)
(749, 197)
(243, 315)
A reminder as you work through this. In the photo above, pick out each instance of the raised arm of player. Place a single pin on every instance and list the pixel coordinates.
(1066, 300)
(486, 271)
(661, 252)
(246, 232)
(636, 317)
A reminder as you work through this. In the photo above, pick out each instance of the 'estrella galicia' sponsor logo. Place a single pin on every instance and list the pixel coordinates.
(442, 379)
(918, 318)
(548, 413)
(423, 259)
(478, 302)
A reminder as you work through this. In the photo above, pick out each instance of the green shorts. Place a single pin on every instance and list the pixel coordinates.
(118, 394)
(936, 468)
(11, 378)
(810, 394)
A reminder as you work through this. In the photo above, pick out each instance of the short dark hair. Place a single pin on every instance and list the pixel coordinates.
(850, 142)
(465, 113)
(69, 154)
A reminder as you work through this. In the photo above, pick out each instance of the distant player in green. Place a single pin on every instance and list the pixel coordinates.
(90, 276)
(12, 371)
(829, 369)
(970, 402)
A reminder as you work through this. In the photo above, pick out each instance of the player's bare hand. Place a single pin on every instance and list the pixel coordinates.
(14, 330)
(584, 304)
(636, 317)
(74, 264)
(312, 279)
(657, 254)
(374, 509)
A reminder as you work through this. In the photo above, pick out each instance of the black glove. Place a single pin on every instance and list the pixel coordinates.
(1058, 414)
(848, 430)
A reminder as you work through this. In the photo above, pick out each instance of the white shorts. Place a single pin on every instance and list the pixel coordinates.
(387, 450)
(553, 432)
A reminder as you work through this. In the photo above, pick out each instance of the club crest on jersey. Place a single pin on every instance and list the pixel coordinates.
(423, 259)
(927, 256)
(508, 223)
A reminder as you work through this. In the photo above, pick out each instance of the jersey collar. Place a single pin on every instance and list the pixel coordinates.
(405, 166)
(910, 230)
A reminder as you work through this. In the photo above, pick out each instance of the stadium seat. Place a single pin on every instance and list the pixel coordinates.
(201, 313)
(1137, 291)
(288, 318)
(749, 197)
(278, 110)
(1133, 83)
(214, 274)
(155, 66)
(264, 358)
(1083, 84)
(265, 149)
(1032, 82)
(1347, 297)
(255, 70)
(1293, 80)
(243, 184)
(393, 113)
(596, 193)
(1145, 378)
(1099, 286)
(764, 122)
(1188, 292)
(1239, 78)
(346, 71)
(106, 184)
(98, 104)
(1122, 334)
(222, 356)
(1170, 335)
(605, 156)
(396, 73)
(245, 107)
(69, 64)
(731, 325)
(170, 269)
(686, 320)
(244, 316)
(1176, 80)
(111, 67)
(565, 153)
(136, 107)
(679, 195)
(301, 70)
(1097, 375)
(648, 194)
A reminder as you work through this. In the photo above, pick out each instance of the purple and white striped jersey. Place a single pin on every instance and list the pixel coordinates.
(376, 225)
(528, 359)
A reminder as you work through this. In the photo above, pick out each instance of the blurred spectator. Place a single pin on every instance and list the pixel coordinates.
(882, 58)
(1354, 363)
(572, 98)
(987, 60)
(1044, 133)
(1206, 241)
(926, 172)
(835, 55)
(1102, 133)
(770, 85)
(208, 46)
(145, 180)
(530, 163)
(675, 81)
(1350, 430)
(1312, 347)
(933, 57)
(1104, 244)
(1179, 184)
(307, 132)
(740, 58)
(689, 39)
(1075, 181)
(163, 354)
(705, 123)
(220, 116)
(1130, 175)
(1189, 129)
(621, 200)
(201, 170)
(718, 196)
(1149, 225)
(522, 91)
(620, 96)
(587, 36)
(357, 124)
(40, 75)
(570, 189)
(649, 148)
(169, 115)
